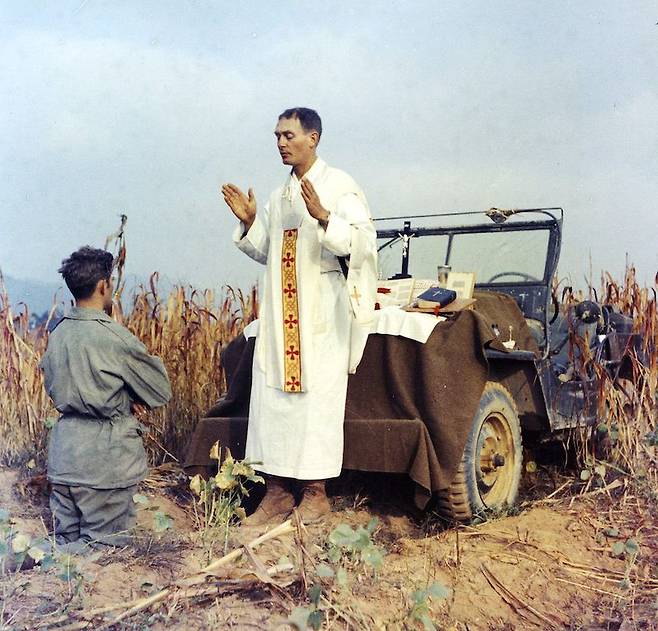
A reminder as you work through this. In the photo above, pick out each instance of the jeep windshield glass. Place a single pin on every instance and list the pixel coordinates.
(494, 257)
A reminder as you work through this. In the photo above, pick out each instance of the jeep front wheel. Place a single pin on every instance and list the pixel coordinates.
(490, 469)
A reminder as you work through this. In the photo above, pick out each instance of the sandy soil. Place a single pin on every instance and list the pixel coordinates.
(550, 566)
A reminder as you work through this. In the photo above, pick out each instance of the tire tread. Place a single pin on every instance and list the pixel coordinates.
(453, 504)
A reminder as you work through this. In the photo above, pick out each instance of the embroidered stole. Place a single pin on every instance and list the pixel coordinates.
(292, 359)
(292, 217)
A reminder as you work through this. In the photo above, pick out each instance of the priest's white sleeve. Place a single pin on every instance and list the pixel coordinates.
(350, 211)
(255, 243)
(350, 231)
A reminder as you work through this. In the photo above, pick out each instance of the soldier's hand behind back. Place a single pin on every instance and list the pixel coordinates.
(243, 206)
(138, 409)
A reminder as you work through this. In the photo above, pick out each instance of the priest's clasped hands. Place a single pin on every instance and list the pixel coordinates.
(244, 206)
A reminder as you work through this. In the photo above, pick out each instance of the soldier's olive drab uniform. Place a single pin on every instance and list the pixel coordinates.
(94, 368)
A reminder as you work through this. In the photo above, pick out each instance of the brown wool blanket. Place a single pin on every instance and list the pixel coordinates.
(409, 406)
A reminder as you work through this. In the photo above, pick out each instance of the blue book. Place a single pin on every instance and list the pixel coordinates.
(436, 296)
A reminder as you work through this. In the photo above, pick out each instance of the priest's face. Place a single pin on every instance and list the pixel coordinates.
(296, 147)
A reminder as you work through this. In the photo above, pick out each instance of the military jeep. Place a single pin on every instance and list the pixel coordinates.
(452, 411)
(529, 393)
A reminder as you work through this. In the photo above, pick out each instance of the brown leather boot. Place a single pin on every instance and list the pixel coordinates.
(275, 506)
(315, 504)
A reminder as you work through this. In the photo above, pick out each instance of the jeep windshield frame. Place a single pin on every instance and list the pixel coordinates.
(550, 223)
(532, 294)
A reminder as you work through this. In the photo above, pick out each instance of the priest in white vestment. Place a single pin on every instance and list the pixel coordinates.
(314, 317)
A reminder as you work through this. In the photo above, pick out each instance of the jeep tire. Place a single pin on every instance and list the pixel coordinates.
(490, 469)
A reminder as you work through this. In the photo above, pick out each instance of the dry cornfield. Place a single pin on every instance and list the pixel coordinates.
(24, 404)
(628, 405)
(633, 405)
(187, 329)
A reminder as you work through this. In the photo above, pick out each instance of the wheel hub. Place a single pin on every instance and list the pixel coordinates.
(491, 464)
(495, 460)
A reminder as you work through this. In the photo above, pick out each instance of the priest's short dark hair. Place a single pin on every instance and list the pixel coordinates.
(84, 268)
(309, 119)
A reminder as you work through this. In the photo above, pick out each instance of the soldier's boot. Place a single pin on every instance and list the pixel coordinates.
(315, 503)
(275, 506)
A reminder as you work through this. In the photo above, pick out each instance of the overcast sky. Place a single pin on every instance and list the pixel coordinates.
(146, 107)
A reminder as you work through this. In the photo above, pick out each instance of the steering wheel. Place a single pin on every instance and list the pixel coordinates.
(521, 275)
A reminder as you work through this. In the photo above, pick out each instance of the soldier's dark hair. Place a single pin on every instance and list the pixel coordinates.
(309, 119)
(84, 268)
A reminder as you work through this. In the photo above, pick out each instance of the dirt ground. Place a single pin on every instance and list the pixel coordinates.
(550, 565)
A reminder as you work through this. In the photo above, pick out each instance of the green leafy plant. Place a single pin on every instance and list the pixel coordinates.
(18, 549)
(218, 500)
(304, 617)
(594, 472)
(629, 551)
(353, 548)
(611, 432)
(419, 611)
(348, 550)
(161, 520)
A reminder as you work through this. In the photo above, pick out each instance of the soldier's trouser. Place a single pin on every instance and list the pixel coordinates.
(92, 516)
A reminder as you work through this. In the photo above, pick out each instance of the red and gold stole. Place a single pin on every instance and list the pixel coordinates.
(292, 360)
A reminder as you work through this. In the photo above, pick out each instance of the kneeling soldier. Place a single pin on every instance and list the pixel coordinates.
(97, 374)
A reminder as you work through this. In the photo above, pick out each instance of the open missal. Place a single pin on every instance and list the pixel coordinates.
(401, 292)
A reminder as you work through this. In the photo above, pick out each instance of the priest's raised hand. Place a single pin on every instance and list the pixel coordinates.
(313, 205)
(243, 206)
